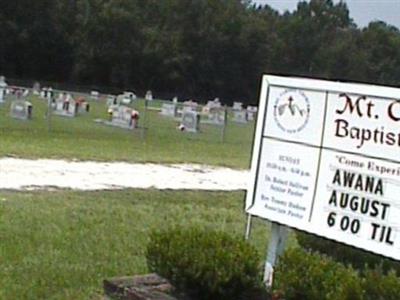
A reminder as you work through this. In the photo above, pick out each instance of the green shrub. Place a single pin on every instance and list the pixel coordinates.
(357, 258)
(380, 287)
(205, 264)
(302, 275)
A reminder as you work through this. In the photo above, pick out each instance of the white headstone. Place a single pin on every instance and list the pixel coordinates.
(127, 97)
(251, 112)
(94, 95)
(36, 88)
(240, 116)
(169, 109)
(189, 106)
(21, 109)
(124, 117)
(111, 100)
(237, 106)
(191, 121)
(65, 106)
(149, 96)
(3, 87)
(216, 115)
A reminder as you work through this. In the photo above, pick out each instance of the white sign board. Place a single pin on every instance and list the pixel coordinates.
(326, 160)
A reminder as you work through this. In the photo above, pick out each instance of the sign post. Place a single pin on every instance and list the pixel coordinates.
(326, 161)
(276, 247)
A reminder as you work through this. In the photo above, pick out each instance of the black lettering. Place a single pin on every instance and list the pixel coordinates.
(341, 128)
(385, 207)
(391, 109)
(332, 200)
(349, 105)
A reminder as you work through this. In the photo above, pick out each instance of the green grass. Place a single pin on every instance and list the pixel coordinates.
(83, 139)
(62, 244)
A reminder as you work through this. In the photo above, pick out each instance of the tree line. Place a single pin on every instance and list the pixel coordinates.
(208, 48)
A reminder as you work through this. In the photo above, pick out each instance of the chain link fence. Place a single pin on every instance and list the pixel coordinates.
(80, 111)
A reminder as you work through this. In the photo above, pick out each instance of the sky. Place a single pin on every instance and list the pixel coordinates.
(361, 11)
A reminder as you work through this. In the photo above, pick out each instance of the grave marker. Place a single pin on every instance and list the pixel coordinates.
(239, 114)
(126, 98)
(124, 117)
(190, 121)
(3, 88)
(65, 106)
(169, 110)
(21, 109)
(94, 95)
(251, 112)
(149, 96)
(36, 88)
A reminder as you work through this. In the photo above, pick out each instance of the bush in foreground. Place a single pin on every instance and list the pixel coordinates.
(204, 264)
(301, 274)
(357, 258)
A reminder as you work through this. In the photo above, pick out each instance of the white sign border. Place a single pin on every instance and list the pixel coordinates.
(317, 85)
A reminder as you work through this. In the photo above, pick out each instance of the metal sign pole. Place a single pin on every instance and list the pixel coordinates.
(275, 249)
(248, 227)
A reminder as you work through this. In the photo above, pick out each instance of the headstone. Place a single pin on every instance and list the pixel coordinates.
(36, 88)
(83, 105)
(19, 93)
(50, 94)
(126, 97)
(149, 96)
(189, 105)
(3, 88)
(43, 93)
(111, 100)
(94, 95)
(237, 106)
(239, 114)
(210, 105)
(25, 93)
(169, 109)
(216, 115)
(251, 112)
(21, 109)
(190, 121)
(124, 117)
(65, 106)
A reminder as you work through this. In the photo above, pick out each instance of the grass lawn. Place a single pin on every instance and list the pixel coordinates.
(62, 244)
(83, 139)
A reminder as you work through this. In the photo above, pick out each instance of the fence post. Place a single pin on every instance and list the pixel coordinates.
(49, 114)
(144, 128)
(225, 124)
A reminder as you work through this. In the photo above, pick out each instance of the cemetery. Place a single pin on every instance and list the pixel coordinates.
(193, 131)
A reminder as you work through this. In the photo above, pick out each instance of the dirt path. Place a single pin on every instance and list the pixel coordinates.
(23, 174)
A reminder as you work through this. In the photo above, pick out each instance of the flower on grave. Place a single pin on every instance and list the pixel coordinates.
(135, 114)
(181, 127)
